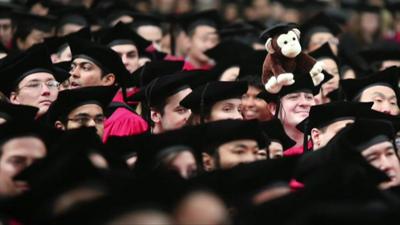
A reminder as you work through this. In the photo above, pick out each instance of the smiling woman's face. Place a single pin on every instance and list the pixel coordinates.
(295, 107)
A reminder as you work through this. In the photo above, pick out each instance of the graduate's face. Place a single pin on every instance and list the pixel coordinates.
(275, 150)
(84, 73)
(185, 164)
(34, 37)
(320, 38)
(236, 152)
(226, 109)
(321, 137)
(203, 38)
(16, 155)
(6, 30)
(38, 90)
(89, 115)
(295, 107)
(129, 55)
(175, 116)
(331, 67)
(253, 107)
(151, 33)
(383, 157)
(383, 97)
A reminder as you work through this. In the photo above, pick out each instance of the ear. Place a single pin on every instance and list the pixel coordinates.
(155, 116)
(59, 125)
(316, 137)
(208, 162)
(268, 46)
(14, 98)
(108, 80)
(297, 32)
(272, 108)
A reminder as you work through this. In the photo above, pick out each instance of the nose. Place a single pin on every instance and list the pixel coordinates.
(75, 73)
(45, 90)
(236, 116)
(249, 157)
(385, 164)
(305, 101)
(386, 107)
(124, 59)
(91, 123)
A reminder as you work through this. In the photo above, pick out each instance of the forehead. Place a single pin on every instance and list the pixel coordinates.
(91, 109)
(22, 145)
(82, 60)
(234, 101)
(379, 89)
(177, 97)
(246, 142)
(339, 124)
(204, 30)
(376, 148)
(42, 76)
(124, 48)
(321, 35)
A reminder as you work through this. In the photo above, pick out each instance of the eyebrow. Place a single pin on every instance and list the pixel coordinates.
(383, 96)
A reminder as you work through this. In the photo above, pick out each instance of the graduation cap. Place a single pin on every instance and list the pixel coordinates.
(205, 96)
(55, 44)
(7, 10)
(353, 88)
(225, 52)
(251, 66)
(77, 15)
(61, 71)
(238, 29)
(279, 28)
(274, 129)
(10, 111)
(108, 60)
(381, 51)
(153, 69)
(366, 7)
(121, 34)
(318, 23)
(220, 132)
(27, 21)
(69, 100)
(190, 21)
(143, 19)
(325, 114)
(324, 51)
(14, 68)
(165, 86)
(303, 82)
(268, 97)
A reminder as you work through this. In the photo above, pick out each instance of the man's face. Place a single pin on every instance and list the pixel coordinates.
(331, 67)
(35, 37)
(321, 137)
(275, 150)
(151, 33)
(383, 157)
(175, 116)
(295, 107)
(253, 107)
(89, 115)
(65, 55)
(185, 164)
(129, 55)
(226, 109)
(6, 31)
(18, 154)
(320, 38)
(203, 38)
(38, 90)
(384, 99)
(84, 73)
(236, 152)
(69, 29)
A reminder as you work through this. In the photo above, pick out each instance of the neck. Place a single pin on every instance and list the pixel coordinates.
(157, 129)
(294, 134)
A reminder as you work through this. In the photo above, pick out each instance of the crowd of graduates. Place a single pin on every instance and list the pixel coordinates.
(154, 112)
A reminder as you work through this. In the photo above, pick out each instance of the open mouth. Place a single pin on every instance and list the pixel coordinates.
(74, 85)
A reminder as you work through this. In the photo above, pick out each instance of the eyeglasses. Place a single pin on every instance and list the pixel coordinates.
(37, 85)
(85, 120)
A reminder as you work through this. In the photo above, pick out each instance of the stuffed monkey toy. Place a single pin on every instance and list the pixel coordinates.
(284, 57)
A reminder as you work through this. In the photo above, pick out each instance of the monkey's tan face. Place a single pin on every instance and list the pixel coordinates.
(289, 44)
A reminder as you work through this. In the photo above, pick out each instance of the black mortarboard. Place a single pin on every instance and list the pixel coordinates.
(208, 94)
(142, 19)
(14, 68)
(153, 69)
(319, 23)
(353, 88)
(190, 21)
(324, 51)
(252, 65)
(274, 129)
(10, 111)
(162, 87)
(108, 60)
(29, 21)
(303, 82)
(366, 7)
(7, 10)
(268, 97)
(78, 15)
(55, 44)
(237, 29)
(381, 51)
(223, 131)
(61, 71)
(325, 114)
(277, 29)
(226, 52)
(122, 34)
(68, 100)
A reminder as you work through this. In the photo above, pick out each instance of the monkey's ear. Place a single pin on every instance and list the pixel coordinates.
(297, 32)
(268, 46)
